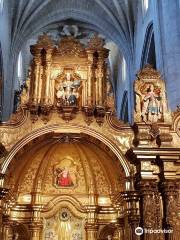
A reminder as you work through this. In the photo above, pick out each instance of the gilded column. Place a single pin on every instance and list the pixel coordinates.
(36, 226)
(170, 196)
(47, 98)
(91, 231)
(3, 192)
(90, 81)
(37, 62)
(150, 209)
(36, 222)
(91, 226)
(132, 200)
(100, 79)
(101, 76)
(35, 231)
(40, 83)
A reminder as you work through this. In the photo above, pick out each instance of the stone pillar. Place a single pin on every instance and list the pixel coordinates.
(169, 189)
(37, 63)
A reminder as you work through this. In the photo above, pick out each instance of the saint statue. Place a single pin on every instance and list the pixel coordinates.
(151, 105)
(68, 91)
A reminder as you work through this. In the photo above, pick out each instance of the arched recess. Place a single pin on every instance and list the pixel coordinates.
(107, 232)
(1, 82)
(149, 52)
(65, 129)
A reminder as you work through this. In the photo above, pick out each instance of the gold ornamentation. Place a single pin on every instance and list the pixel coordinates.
(96, 42)
(69, 74)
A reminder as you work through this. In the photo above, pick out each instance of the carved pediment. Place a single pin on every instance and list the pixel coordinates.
(148, 73)
(69, 46)
(45, 41)
(96, 42)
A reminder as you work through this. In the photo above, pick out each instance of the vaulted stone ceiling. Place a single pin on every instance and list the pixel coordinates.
(113, 18)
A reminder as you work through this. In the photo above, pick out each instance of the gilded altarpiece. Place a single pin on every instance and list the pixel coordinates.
(70, 169)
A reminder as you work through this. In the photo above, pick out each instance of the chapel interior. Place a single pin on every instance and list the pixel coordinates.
(89, 120)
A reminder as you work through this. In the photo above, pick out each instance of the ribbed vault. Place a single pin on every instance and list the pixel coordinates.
(117, 22)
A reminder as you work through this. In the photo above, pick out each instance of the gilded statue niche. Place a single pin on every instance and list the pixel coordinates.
(68, 87)
(67, 77)
(150, 97)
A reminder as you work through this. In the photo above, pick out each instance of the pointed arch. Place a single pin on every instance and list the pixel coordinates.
(149, 52)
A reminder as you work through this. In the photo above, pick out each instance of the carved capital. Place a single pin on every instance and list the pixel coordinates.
(147, 187)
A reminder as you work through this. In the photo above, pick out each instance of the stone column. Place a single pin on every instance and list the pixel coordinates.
(169, 189)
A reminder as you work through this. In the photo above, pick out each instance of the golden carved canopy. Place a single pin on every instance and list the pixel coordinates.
(67, 76)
